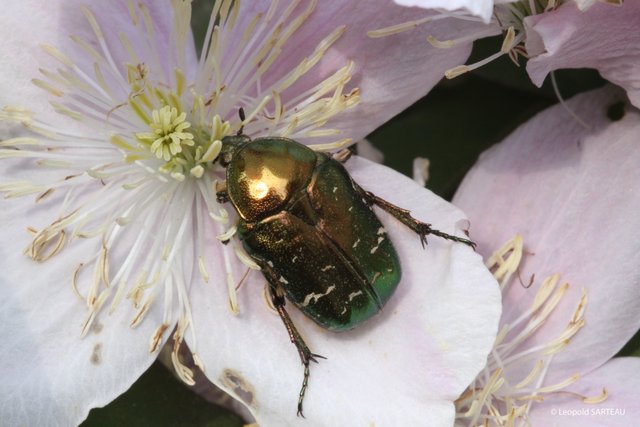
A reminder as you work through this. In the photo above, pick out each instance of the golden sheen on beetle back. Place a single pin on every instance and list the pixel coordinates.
(267, 181)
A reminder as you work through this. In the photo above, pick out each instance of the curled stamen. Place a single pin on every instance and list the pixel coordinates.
(156, 339)
(501, 267)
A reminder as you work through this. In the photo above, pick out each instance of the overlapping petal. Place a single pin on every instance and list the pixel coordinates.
(604, 37)
(481, 8)
(572, 194)
(404, 366)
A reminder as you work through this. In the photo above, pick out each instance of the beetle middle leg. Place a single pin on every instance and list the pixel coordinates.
(306, 356)
(422, 229)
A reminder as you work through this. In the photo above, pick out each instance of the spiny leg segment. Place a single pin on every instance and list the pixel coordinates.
(277, 298)
(422, 229)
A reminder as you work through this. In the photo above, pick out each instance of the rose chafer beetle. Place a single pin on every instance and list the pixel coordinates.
(313, 232)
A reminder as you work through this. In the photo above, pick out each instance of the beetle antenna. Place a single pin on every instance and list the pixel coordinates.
(242, 117)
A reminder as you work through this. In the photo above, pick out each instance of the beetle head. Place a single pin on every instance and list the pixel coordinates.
(230, 144)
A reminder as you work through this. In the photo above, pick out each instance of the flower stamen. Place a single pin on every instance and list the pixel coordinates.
(491, 399)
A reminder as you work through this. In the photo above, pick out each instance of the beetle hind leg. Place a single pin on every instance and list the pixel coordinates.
(422, 229)
(306, 356)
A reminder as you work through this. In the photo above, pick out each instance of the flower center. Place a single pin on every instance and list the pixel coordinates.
(168, 136)
(183, 149)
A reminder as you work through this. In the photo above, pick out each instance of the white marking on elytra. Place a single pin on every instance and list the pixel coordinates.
(335, 189)
(352, 295)
(270, 264)
(356, 243)
(327, 267)
(375, 248)
(350, 208)
(344, 310)
(283, 280)
(295, 257)
(381, 230)
(315, 297)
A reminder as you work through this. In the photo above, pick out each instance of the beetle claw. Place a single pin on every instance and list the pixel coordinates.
(423, 241)
(300, 414)
(312, 357)
(423, 229)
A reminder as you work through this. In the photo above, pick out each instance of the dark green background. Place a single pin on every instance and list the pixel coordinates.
(462, 117)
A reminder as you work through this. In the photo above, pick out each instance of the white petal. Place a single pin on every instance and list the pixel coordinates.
(50, 376)
(605, 38)
(572, 194)
(481, 8)
(29, 24)
(586, 4)
(404, 367)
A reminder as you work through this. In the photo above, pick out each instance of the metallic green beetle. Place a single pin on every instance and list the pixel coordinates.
(313, 232)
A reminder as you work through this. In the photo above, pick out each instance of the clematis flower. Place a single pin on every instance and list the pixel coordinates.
(570, 279)
(112, 192)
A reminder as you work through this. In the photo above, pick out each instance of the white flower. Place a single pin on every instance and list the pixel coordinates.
(119, 178)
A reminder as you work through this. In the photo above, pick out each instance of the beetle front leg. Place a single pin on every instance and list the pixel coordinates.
(306, 356)
(422, 229)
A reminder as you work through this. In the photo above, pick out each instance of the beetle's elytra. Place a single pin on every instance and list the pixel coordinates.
(313, 232)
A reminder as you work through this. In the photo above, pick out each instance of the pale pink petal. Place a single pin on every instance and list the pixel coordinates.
(481, 8)
(391, 72)
(572, 194)
(30, 24)
(50, 376)
(605, 37)
(621, 409)
(404, 367)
